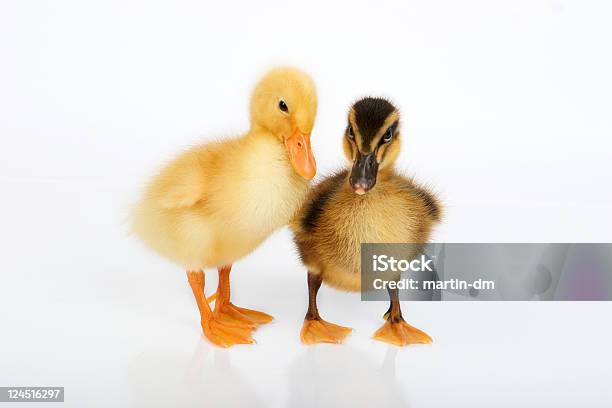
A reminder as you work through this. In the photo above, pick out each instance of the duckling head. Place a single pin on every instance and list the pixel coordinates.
(371, 141)
(284, 103)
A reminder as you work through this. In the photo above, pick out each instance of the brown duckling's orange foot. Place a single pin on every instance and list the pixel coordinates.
(225, 334)
(240, 316)
(401, 333)
(319, 331)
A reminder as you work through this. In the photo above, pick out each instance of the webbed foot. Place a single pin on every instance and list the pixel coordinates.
(319, 331)
(401, 333)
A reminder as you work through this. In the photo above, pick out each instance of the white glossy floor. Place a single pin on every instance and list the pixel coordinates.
(84, 306)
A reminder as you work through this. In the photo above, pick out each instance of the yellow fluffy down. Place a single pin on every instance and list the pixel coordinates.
(217, 202)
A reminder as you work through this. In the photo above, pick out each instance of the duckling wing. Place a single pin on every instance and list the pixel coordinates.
(185, 192)
(181, 184)
(428, 200)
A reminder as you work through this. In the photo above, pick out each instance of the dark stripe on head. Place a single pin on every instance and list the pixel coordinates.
(370, 116)
(316, 206)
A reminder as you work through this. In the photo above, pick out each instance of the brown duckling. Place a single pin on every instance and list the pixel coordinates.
(370, 203)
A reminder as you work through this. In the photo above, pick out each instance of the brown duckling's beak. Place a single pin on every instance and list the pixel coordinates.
(364, 172)
(300, 154)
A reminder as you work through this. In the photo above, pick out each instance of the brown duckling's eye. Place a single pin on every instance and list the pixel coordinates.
(388, 136)
(350, 133)
(283, 106)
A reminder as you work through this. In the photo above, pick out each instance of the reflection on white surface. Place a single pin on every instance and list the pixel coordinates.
(321, 376)
(205, 378)
(342, 376)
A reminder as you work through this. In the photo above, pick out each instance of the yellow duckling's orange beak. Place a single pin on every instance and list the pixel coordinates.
(300, 154)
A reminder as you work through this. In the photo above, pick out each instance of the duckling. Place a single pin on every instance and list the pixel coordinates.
(217, 202)
(370, 203)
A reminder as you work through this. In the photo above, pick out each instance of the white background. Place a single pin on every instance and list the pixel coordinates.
(506, 113)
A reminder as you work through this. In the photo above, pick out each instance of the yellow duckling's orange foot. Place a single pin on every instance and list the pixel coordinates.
(240, 316)
(401, 333)
(319, 331)
(225, 334)
(254, 315)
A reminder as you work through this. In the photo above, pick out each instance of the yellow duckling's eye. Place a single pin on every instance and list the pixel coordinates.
(283, 106)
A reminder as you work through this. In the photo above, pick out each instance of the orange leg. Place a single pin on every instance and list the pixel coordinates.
(225, 311)
(220, 333)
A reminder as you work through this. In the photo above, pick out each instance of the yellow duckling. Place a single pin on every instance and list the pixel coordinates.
(217, 202)
(367, 204)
